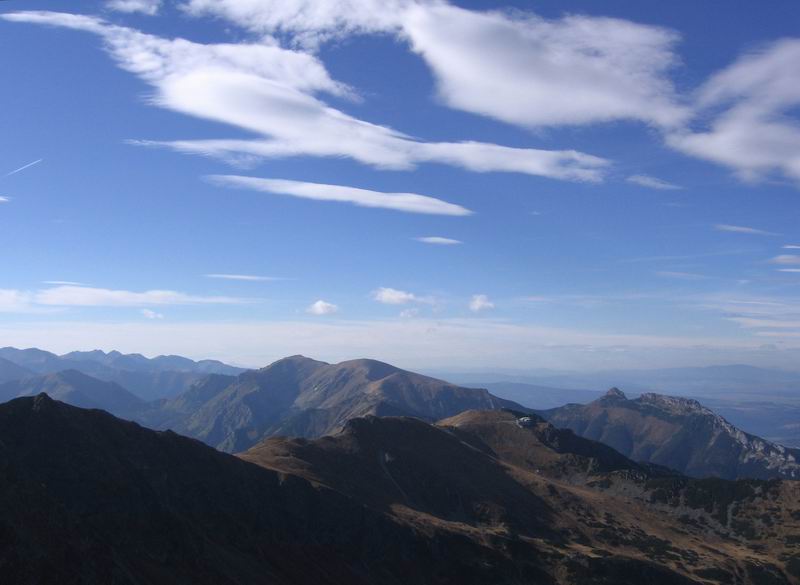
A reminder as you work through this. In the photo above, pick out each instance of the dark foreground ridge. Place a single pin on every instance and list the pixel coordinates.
(88, 498)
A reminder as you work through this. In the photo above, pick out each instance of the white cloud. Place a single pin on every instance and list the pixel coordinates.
(152, 315)
(392, 296)
(788, 269)
(438, 240)
(785, 259)
(322, 308)
(149, 7)
(245, 277)
(791, 247)
(749, 104)
(308, 21)
(81, 296)
(408, 202)
(272, 92)
(740, 229)
(4, 199)
(531, 71)
(651, 182)
(480, 303)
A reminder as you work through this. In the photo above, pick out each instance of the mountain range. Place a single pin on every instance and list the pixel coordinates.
(302, 397)
(147, 378)
(678, 433)
(482, 497)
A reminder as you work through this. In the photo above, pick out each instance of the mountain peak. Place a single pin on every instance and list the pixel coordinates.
(43, 402)
(615, 393)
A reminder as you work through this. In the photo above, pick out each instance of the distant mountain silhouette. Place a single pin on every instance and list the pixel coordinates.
(483, 497)
(678, 433)
(148, 378)
(299, 396)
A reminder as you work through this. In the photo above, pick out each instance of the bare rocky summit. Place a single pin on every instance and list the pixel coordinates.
(679, 433)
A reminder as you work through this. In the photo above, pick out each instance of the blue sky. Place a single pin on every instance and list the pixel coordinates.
(442, 185)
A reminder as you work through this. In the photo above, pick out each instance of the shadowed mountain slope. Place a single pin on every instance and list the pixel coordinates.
(678, 433)
(585, 513)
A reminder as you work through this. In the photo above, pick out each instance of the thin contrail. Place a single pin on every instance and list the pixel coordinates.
(27, 166)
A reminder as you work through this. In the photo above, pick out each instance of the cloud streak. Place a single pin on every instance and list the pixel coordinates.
(245, 277)
(24, 167)
(652, 183)
(81, 296)
(438, 241)
(740, 229)
(406, 202)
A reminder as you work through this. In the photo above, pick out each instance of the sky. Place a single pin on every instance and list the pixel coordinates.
(449, 185)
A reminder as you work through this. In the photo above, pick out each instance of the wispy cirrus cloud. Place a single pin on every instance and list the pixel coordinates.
(274, 93)
(4, 199)
(652, 183)
(407, 202)
(516, 67)
(64, 283)
(438, 241)
(740, 229)
(245, 277)
(64, 295)
(83, 296)
(766, 316)
(785, 259)
(749, 105)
